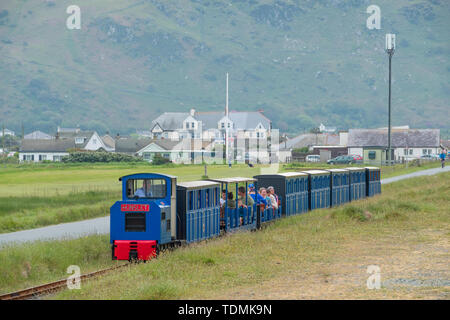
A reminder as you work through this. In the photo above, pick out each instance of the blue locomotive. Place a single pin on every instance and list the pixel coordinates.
(156, 212)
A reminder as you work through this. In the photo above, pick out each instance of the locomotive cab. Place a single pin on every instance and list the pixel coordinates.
(144, 221)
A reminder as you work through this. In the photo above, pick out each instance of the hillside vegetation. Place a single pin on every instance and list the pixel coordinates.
(302, 62)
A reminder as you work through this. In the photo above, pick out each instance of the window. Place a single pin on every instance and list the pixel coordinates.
(187, 125)
(222, 125)
(147, 156)
(146, 188)
(94, 141)
(193, 125)
(28, 157)
(410, 152)
(79, 140)
(57, 158)
(229, 125)
(42, 157)
(135, 222)
(405, 152)
(372, 155)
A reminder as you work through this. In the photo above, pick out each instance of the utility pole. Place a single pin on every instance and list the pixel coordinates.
(390, 48)
(226, 126)
(3, 139)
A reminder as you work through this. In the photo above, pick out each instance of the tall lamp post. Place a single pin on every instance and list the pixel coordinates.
(390, 48)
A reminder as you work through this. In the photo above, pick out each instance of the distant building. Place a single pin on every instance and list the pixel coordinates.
(7, 132)
(109, 142)
(324, 129)
(185, 151)
(35, 150)
(38, 135)
(311, 139)
(86, 140)
(210, 125)
(371, 144)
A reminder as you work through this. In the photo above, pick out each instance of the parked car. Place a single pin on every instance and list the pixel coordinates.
(430, 157)
(312, 158)
(356, 157)
(342, 160)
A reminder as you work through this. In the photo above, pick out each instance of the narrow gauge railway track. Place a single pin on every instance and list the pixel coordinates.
(53, 286)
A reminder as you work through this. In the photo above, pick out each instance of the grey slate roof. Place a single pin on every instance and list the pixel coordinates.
(80, 134)
(243, 120)
(38, 135)
(170, 121)
(45, 145)
(133, 145)
(412, 138)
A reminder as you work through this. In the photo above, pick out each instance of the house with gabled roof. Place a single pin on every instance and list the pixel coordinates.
(85, 140)
(38, 135)
(36, 150)
(406, 144)
(176, 151)
(210, 125)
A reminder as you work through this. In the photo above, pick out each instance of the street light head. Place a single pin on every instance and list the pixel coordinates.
(390, 42)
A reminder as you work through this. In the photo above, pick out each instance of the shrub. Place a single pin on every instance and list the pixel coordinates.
(99, 157)
(159, 160)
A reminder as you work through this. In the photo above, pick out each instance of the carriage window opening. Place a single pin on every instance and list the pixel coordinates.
(168, 225)
(163, 216)
(135, 222)
(191, 200)
(208, 199)
(146, 188)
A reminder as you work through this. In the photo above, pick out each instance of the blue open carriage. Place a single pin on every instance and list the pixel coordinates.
(357, 183)
(198, 210)
(233, 214)
(373, 181)
(319, 189)
(340, 186)
(291, 189)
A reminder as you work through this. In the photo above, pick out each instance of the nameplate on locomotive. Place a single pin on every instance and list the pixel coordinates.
(135, 207)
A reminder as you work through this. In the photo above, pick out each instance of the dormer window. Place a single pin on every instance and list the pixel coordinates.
(79, 140)
(223, 125)
(229, 125)
(193, 125)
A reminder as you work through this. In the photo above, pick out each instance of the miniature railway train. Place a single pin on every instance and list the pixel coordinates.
(156, 212)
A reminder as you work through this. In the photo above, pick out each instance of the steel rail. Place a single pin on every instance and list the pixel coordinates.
(53, 286)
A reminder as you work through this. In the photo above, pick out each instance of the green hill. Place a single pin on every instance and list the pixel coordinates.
(302, 62)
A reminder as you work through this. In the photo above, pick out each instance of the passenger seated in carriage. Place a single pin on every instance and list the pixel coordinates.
(241, 198)
(273, 197)
(231, 203)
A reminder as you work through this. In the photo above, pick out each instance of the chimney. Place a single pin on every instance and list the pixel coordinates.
(192, 113)
(118, 136)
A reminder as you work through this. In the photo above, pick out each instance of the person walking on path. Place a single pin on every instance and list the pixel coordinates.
(442, 156)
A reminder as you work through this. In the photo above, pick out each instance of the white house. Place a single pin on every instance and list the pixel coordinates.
(86, 140)
(406, 143)
(7, 132)
(36, 150)
(210, 125)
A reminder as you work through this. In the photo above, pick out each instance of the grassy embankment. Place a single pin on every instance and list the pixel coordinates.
(322, 254)
(33, 196)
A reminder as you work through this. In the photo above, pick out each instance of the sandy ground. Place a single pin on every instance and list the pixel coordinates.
(407, 271)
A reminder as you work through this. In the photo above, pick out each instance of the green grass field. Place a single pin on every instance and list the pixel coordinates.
(321, 254)
(33, 196)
